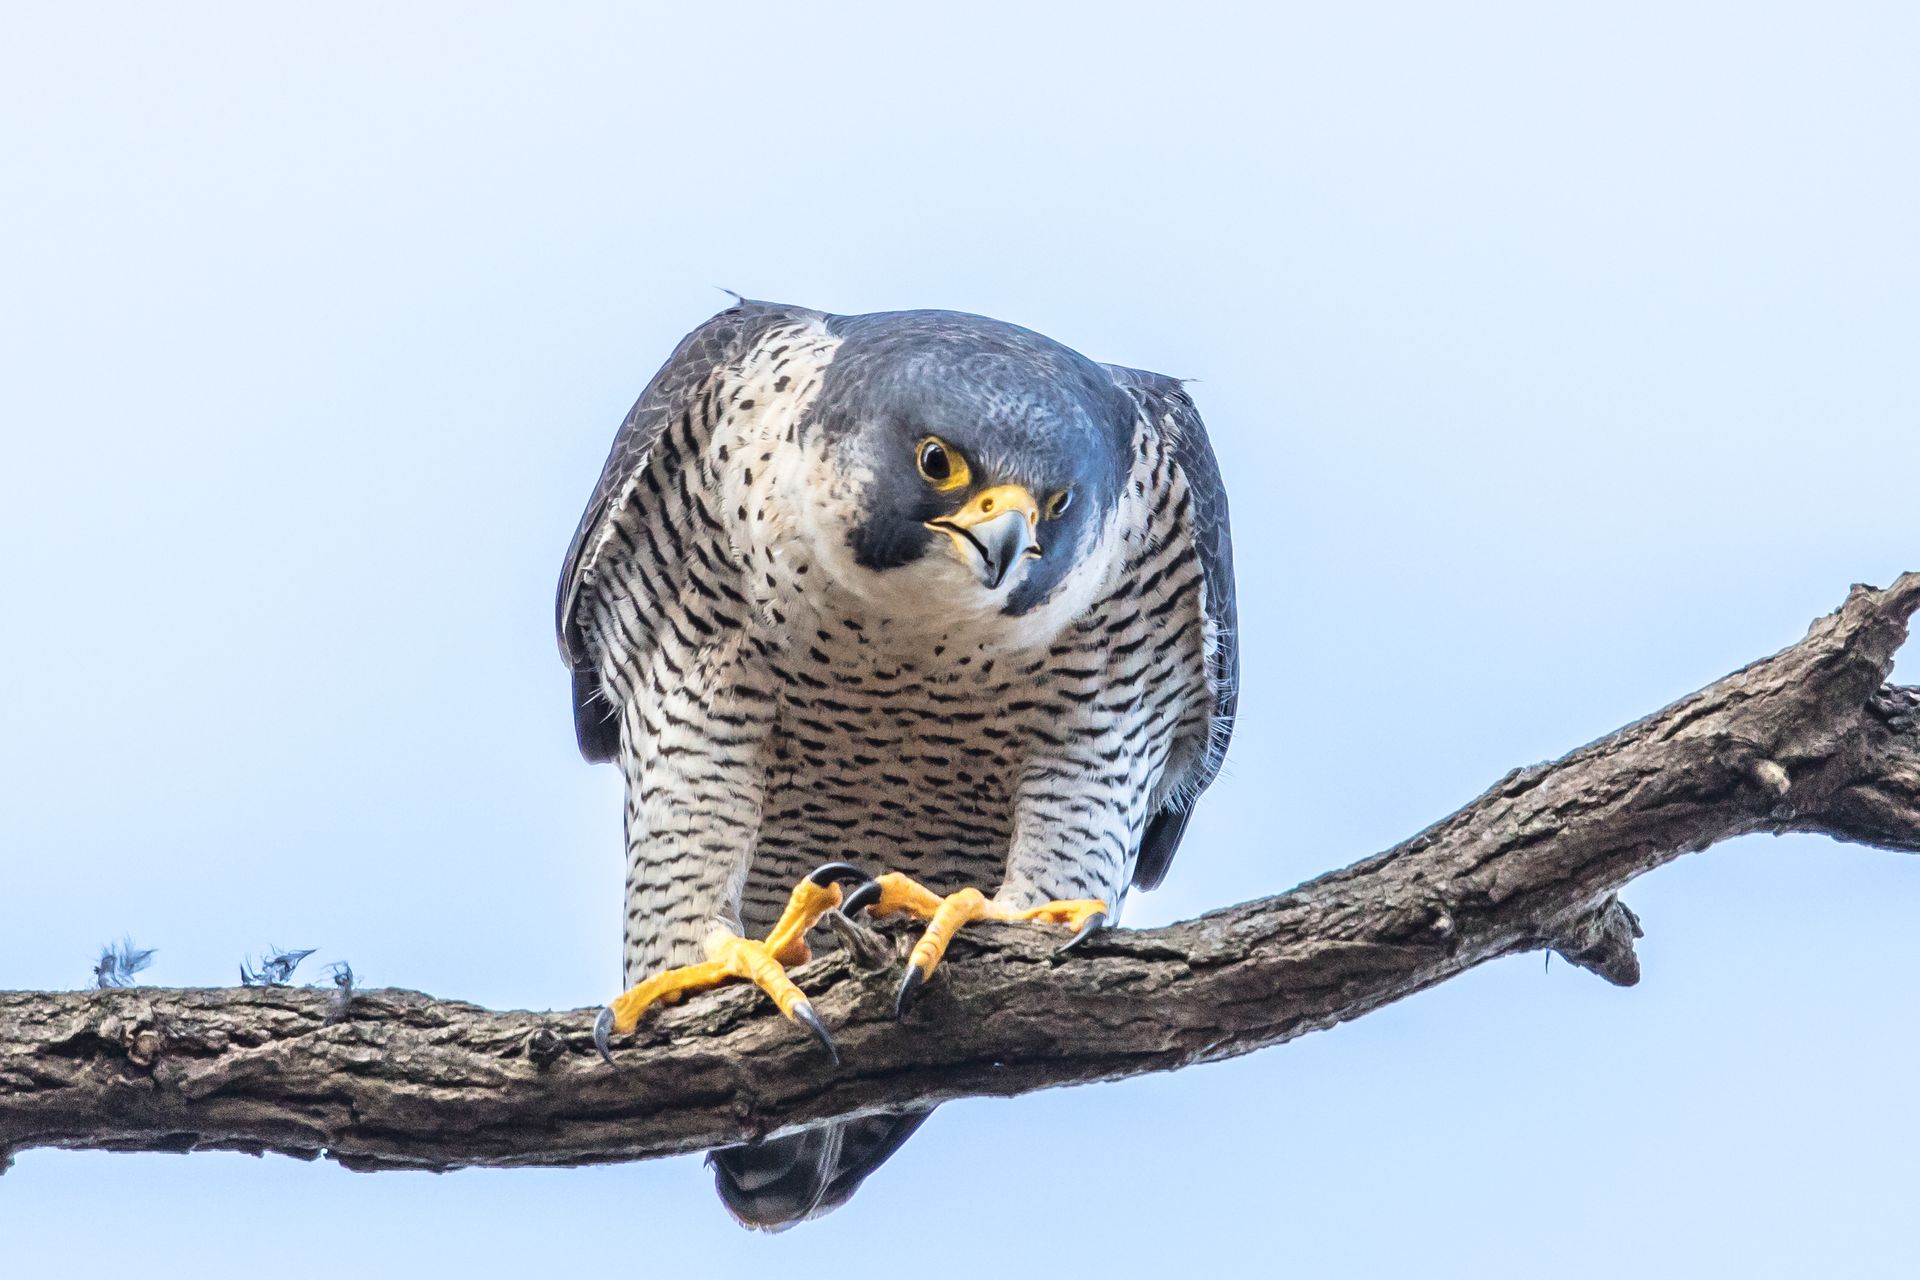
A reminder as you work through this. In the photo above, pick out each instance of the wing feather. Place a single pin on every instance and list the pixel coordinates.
(1169, 408)
(702, 356)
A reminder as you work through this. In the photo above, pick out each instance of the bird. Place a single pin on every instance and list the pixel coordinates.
(911, 613)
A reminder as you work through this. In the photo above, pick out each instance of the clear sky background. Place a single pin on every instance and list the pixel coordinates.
(1561, 359)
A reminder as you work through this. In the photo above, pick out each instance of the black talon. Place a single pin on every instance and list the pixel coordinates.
(602, 1030)
(836, 872)
(1094, 923)
(859, 899)
(910, 986)
(804, 1015)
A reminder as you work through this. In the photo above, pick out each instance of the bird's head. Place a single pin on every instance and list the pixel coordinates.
(973, 467)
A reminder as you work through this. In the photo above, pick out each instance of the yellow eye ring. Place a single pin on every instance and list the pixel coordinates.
(942, 465)
(1058, 504)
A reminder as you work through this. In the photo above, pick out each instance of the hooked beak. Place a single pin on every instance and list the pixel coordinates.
(994, 532)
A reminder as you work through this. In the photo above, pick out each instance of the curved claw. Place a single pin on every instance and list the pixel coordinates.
(837, 873)
(859, 899)
(602, 1034)
(1093, 924)
(910, 987)
(804, 1015)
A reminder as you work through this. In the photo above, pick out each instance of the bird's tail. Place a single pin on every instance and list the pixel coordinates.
(772, 1184)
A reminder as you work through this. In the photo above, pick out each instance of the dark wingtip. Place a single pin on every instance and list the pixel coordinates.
(603, 1034)
(804, 1015)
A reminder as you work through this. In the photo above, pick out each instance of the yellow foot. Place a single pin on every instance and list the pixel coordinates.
(944, 916)
(763, 963)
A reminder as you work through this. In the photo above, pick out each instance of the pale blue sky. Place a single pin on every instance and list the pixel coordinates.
(1561, 359)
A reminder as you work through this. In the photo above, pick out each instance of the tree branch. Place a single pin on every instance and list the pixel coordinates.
(1811, 739)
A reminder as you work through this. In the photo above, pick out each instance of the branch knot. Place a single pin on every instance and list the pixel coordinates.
(1600, 940)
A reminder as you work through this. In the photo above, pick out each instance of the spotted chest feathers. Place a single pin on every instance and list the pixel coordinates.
(935, 746)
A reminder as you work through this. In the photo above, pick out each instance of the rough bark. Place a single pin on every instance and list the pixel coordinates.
(1811, 739)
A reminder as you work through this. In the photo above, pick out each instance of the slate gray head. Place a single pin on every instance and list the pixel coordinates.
(967, 441)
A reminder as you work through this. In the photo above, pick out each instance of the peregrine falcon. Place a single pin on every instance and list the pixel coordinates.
(918, 592)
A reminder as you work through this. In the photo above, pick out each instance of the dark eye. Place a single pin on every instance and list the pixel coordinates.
(941, 465)
(1059, 503)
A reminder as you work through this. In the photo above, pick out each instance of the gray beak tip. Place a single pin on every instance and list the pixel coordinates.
(1000, 544)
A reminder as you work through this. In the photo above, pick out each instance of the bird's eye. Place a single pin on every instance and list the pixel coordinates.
(942, 465)
(1059, 503)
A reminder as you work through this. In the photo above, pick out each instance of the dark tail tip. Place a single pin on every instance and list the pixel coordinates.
(774, 1184)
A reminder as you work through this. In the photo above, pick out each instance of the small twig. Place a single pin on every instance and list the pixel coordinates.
(342, 997)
